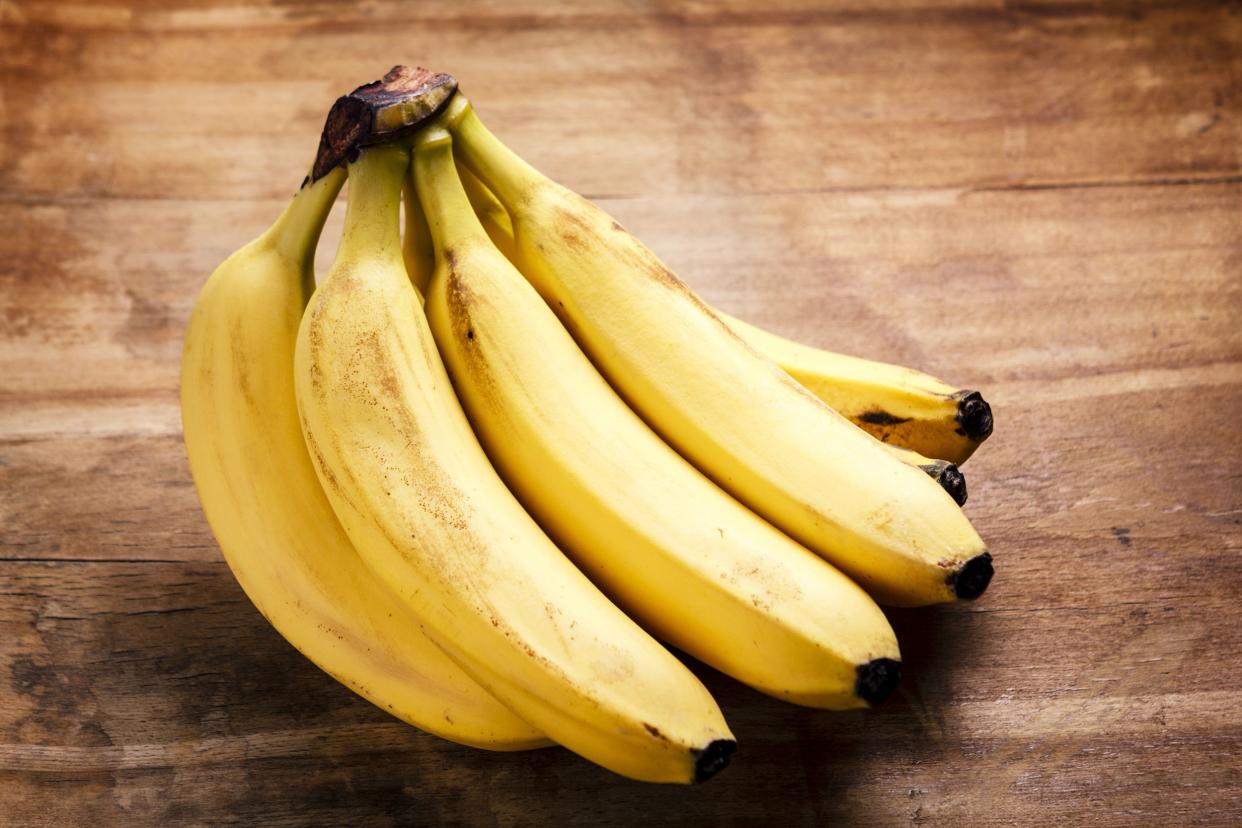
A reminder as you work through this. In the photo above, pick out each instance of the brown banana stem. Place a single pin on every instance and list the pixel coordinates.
(383, 110)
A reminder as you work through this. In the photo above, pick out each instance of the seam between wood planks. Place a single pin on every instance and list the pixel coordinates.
(1231, 178)
(1187, 181)
(264, 19)
(80, 561)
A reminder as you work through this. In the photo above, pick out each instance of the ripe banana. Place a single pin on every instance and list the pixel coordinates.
(899, 406)
(430, 516)
(268, 512)
(728, 410)
(678, 554)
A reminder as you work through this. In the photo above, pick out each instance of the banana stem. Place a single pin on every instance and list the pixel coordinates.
(416, 245)
(380, 112)
(490, 211)
(372, 214)
(296, 232)
(506, 174)
(452, 220)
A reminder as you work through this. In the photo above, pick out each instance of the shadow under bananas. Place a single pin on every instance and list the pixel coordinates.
(800, 766)
(202, 710)
(933, 641)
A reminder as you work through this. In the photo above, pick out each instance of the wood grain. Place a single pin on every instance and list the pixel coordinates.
(744, 100)
(1042, 200)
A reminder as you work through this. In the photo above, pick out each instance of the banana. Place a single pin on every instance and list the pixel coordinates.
(899, 406)
(727, 409)
(683, 558)
(264, 503)
(428, 513)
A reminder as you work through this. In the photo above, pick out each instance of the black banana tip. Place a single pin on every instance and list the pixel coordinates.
(954, 482)
(974, 415)
(876, 679)
(712, 759)
(973, 578)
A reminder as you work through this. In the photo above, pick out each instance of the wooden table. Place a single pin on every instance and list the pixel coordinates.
(1042, 200)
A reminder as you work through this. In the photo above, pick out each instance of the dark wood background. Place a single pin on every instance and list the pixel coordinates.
(1039, 199)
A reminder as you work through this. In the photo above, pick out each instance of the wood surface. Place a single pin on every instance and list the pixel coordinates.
(1042, 200)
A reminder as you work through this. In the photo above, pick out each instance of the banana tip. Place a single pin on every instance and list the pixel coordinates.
(973, 578)
(877, 679)
(954, 482)
(712, 759)
(974, 415)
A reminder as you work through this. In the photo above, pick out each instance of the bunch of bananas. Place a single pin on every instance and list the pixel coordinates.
(473, 470)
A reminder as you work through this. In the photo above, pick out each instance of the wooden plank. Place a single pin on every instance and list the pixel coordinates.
(121, 496)
(970, 284)
(1144, 516)
(161, 696)
(703, 102)
(154, 15)
(1041, 199)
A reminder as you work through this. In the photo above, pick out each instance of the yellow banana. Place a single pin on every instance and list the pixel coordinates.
(430, 516)
(268, 512)
(724, 407)
(899, 406)
(678, 554)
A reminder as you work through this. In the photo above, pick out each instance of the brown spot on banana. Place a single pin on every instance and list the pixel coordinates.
(882, 418)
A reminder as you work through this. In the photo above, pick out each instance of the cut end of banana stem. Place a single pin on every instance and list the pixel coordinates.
(380, 111)
(973, 578)
(974, 416)
(953, 481)
(877, 679)
(712, 759)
